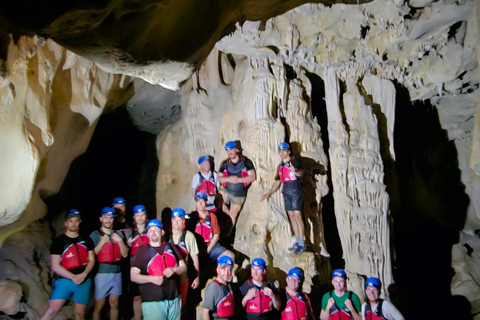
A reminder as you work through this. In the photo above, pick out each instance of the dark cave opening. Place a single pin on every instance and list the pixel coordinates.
(120, 161)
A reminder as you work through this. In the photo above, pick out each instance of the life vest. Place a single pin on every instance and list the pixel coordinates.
(138, 240)
(209, 186)
(181, 243)
(297, 307)
(369, 314)
(110, 251)
(259, 304)
(286, 173)
(235, 170)
(343, 314)
(74, 255)
(204, 229)
(160, 261)
(225, 307)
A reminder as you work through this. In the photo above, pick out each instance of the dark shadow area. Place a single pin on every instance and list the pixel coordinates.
(319, 111)
(429, 211)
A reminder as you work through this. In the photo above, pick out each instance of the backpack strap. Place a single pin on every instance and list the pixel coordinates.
(379, 308)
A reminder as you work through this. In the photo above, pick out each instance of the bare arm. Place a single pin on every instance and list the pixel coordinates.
(139, 278)
(355, 314)
(58, 268)
(213, 242)
(274, 188)
(80, 278)
(205, 314)
(277, 303)
(252, 175)
(123, 247)
(196, 265)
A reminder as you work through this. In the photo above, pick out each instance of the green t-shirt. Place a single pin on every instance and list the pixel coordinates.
(340, 301)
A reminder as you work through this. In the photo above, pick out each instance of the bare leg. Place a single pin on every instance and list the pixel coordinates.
(137, 308)
(80, 311)
(54, 307)
(297, 223)
(98, 309)
(233, 213)
(113, 300)
(225, 208)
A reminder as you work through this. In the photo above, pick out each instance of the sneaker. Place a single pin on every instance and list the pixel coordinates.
(294, 247)
(299, 250)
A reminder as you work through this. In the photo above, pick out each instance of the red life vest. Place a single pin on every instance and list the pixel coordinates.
(138, 241)
(234, 171)
(209, 186)
(343, 314)
(110, 251)
(286, 173)
(74, 255)
(369, 314)
(205, 229)
(259, 304)
(160, 261)
(181, 243)
(225, 307)
(297, 307)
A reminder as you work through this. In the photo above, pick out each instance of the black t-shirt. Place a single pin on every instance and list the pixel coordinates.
(62, 242)
(291, 186)
(149, 291)
(235, 169)
(251, 316)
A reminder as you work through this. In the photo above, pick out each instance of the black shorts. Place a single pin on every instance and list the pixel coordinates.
(133, 289)
(293, 200)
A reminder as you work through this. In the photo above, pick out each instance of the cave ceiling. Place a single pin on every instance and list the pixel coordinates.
(162, 42)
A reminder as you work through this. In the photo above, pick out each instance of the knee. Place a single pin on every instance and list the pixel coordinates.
(230, 254)
(113, 302)
(137, 299)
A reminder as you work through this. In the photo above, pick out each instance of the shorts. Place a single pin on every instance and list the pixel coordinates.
(293, 200)
(216, 252)
(64, 289)
(107, 284)
(233, 199)
(134, 289)
(162, 310)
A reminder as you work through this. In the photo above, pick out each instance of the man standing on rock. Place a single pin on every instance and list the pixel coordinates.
(156, 267)
(236, 173)
(340, 303)
(259, 297)
(289, 172)
(110, 248)
(206, 181)
(72, 260)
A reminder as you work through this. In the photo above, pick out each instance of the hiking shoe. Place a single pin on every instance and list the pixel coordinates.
(299, 250)
(294, 247)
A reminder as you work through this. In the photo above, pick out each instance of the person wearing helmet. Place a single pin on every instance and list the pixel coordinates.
(206, 181)
(295, 302)
(120, 224)
(72, 259)
(110, 248)
(187, 243)
(137, 237)
(236, 173)
(375, 308)
(340, 303)
(219, 302)
(260, 298)
(205, 224)
(157, 267)
(289, 172)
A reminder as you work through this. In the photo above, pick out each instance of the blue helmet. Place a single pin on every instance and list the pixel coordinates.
(201, 195)
(373, 282)
(230, 145)
(107, 211)
(259, 262)
(178, 212)
(225, 261)
(283, 146)
(73, 213)
(154, 223)
(202, 159)
(339, 273)
(139, 208)
(295, 273)
(118, 200)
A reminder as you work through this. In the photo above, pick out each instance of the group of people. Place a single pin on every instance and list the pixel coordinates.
(165, 268)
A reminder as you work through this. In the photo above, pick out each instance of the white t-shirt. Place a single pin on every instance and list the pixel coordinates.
(389, 311)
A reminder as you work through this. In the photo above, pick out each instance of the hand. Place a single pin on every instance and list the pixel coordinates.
(252, 293)
(157, 280)
(330, 303)
(233, 179)
(349, 304)
(105, 238)
(116, 237)
(79, 278)
(209, 249)
(264, 197)
(268, 292)
(168, 272)
(196, 283)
